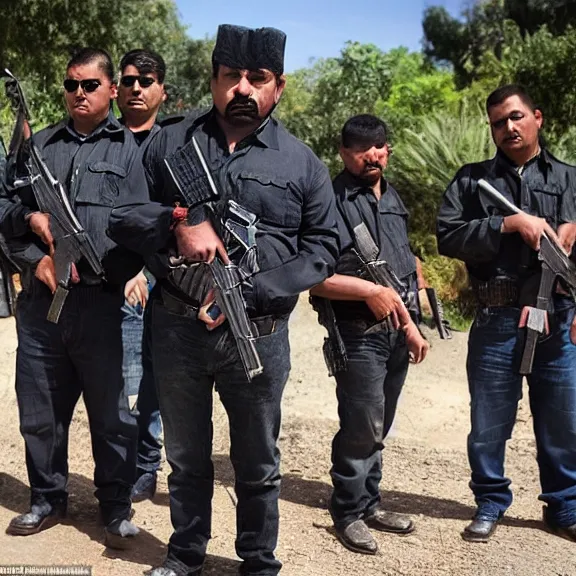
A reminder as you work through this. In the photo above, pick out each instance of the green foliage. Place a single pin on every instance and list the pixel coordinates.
(427, 157)
(335, 89)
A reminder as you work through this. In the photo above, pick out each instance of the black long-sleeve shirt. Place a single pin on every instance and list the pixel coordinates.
(271, 174)
(468, 225)
(98, 171)
(387, 222)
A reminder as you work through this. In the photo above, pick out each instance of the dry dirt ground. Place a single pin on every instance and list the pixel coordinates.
(425, 475)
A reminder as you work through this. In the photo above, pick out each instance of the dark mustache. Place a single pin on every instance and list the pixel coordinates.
(372, 165)
(243, 102)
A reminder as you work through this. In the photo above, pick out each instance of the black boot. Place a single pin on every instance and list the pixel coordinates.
(38, 518)
(357, 537)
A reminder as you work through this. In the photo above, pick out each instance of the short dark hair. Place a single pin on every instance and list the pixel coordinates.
(504, 92)
(88, 55)
(364, 130)
(146, 62)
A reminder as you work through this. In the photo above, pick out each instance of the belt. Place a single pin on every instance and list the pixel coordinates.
(497, 292)
(177, 306)
(365, 327)
(264, 325)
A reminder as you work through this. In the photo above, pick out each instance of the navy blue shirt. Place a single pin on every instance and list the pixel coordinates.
(271, 174)
(98, 171)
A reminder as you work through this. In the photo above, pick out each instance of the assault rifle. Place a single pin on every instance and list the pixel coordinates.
(237, 230)
(555, 264)
(381, 273)
(71, 242)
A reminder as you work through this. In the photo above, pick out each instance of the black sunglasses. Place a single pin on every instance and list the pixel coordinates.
(89, 85)
(144, 81)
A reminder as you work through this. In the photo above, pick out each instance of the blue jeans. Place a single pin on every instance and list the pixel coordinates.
(139, 379)
(494, 353)
(189, 360)
(368, 393)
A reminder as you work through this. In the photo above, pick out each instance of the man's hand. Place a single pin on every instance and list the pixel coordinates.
(205, 317)
(567, 235)
(136, 290)
(418, 346)
(530, 228)
(384, 302)
(46, 273)
(199, 243)
(40, 225)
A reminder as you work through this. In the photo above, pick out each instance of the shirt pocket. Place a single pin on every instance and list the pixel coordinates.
(271, 198)
(545, 202)
(97, 193)
(100, 183)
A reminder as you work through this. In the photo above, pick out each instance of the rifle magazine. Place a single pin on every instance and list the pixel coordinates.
(57, 304)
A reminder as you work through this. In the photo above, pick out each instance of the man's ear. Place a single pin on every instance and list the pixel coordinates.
(113, 91)
(280, 85)
(539, 117)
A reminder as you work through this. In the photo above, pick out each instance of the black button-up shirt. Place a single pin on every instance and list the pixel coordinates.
(271, 174)
(98, 171)
(387, 222)
(468, 226)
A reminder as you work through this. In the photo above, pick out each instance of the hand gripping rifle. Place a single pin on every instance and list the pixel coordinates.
(71, 242)
(237, 230)
(555, 264)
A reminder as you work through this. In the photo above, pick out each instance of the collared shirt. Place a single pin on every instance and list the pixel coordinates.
(469, 226)
(143, 136)
(98, 171)
(274, 176)
(387, 222)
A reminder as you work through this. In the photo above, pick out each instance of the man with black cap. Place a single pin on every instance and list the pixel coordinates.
(376, 329)
(256, 163)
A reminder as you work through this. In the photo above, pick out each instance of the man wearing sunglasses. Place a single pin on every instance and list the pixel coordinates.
(140, 96)
(141, 92)
(92, 156)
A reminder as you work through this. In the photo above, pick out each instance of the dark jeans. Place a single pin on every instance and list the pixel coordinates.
(494, 352)
(188, 361)
(139, 380)
(368, 393)
(55, 363)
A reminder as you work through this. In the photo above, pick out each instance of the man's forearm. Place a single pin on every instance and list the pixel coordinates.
(341, 287)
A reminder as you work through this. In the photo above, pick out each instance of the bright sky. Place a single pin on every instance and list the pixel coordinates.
(317, 28)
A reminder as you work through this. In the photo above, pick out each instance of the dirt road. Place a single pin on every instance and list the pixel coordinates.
(425, 474)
